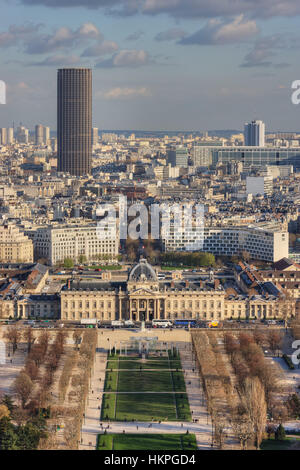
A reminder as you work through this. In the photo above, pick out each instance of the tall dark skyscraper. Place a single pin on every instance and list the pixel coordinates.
(74, 120)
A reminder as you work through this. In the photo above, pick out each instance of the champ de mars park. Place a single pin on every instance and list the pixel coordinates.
(148, 386)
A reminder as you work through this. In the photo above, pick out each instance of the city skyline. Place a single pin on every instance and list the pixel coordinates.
(157, 67)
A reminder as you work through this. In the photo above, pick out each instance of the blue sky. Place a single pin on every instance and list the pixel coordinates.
(157, 64)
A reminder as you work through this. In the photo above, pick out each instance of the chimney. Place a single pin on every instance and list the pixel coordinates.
(217, 283)
(172, 284)
(69, 284)
(187, 283)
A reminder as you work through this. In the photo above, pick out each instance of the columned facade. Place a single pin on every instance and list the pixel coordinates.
(144, 298)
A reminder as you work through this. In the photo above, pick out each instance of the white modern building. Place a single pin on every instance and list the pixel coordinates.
(259, 185)
(58, 243)
(266, 245)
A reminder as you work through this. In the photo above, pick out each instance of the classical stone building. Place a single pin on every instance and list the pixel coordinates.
(144, 297)
(15, 247)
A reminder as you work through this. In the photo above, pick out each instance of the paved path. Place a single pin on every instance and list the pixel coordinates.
(92, 426)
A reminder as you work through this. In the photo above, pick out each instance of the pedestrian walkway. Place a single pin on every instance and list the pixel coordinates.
(200, 426)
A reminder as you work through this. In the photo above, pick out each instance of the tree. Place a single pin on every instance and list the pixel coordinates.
(8, 437)
(68, 263)
(13, 335)
(245, 256)
(280, 433)
(29, 436)
(274, 339)
(31, 369)
(4, 412)
(255, 403)
(29, 337)
(243, 430)
(8, 402)
(259, 337)
(293, 404)
(23, 387)
(231, 344)
(82, 259)
(219, 430)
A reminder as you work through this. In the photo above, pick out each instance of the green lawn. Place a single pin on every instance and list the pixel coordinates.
(145, 407)
(146, 442)
(111, 381)
(145, 381)
(178, 381)
(153, 375)
(183, 407)
(108, 406)
(273, 444)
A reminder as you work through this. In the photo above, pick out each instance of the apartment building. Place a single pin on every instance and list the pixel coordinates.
(15, 247)
(56, 243)
(266, 245)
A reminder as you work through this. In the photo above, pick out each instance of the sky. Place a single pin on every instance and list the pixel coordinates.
(157, 64)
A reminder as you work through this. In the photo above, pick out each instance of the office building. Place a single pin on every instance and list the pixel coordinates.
(95, 136)
(22, 135)
(10, 136)
(46, 135)
(255, 157)
(74, 120)
(254, 134)
(3, 136)
(178, 156)
(39, 134)
(201, 156)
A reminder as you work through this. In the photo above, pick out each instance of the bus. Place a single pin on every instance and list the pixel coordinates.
(185, 322)
(162, 323)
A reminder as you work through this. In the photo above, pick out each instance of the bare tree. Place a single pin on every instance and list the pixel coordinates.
(243, 429)
(219, 430)
(259, 336)
(274, 339)
(23, 387)
(13, 335)
(29, 338)
(255, 403)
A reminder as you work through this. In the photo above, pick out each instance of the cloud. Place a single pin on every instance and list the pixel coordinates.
(89, 30)
(123, 93)
(126, 58)
(102, 48)
(170, 35)
(62, 38)
(221, 32)
(183, 8)
(64, 44)
(135, 36)
(56, 61)
(16, 34)
(265, 48)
